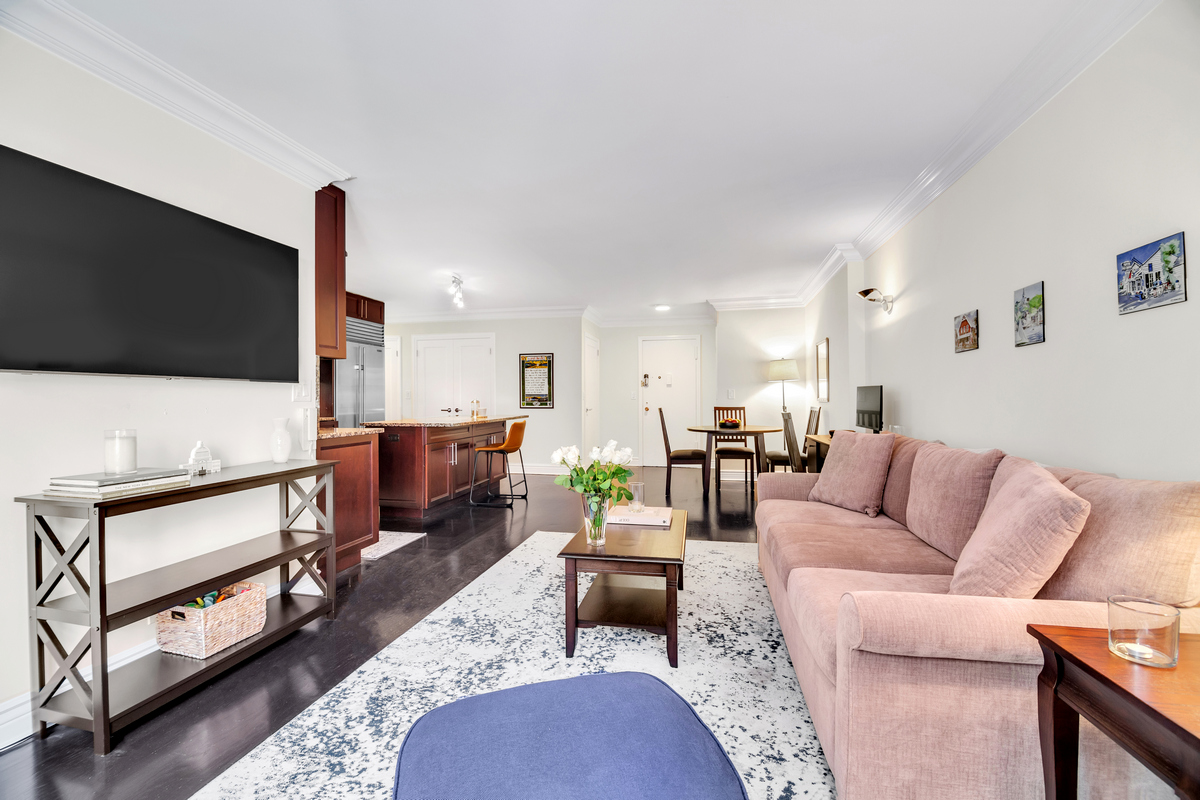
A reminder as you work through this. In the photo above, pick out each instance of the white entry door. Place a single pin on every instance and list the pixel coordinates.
(591, 393)
(670, 371)
(450, 371)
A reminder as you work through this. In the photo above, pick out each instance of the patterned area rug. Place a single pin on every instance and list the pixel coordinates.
(389, 541)
(506, 629)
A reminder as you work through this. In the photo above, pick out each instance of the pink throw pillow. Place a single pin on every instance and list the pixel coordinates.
(1028, 526)
(946, 496)
(855, 471)
(899, 478)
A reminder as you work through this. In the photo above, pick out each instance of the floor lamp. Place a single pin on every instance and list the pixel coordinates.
(783, 370)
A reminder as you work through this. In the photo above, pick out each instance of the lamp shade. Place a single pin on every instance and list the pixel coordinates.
(783, 369)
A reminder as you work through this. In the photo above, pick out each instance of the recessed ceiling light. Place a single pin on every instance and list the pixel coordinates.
(662, 308)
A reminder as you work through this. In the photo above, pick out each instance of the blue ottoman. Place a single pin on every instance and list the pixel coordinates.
(621, 735)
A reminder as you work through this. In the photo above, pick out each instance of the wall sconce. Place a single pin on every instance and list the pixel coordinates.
(873, 295)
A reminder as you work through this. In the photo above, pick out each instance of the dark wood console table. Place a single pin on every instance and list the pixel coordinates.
(112, 700)
(1153, 713)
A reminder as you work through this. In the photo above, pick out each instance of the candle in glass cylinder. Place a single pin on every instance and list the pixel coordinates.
(120, 451)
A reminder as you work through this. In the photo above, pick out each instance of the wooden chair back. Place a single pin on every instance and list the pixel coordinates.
(727, 412)
(814, 420)
(793, 447)
(666, 439)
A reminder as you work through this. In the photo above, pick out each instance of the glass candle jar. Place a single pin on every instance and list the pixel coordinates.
(1143, 631)
(638, 504)
(120, 451)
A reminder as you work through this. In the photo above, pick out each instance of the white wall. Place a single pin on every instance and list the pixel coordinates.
(547, 428)
(1109, 164)
(827, 317)
(746, 341)
(620, 414)
(55, 423)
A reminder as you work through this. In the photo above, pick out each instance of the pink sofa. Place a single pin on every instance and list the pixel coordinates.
(920, 694)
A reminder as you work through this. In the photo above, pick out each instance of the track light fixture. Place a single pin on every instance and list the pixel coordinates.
(456, 289)
(873, 295)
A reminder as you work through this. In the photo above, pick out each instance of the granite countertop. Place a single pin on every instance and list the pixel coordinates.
(442, 422)
(336, 433)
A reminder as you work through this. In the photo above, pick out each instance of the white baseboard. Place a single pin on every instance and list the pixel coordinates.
(16, 716)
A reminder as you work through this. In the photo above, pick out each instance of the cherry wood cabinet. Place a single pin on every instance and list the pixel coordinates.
(422, 468)
(364, 308)
(356, 491)
(330, 272)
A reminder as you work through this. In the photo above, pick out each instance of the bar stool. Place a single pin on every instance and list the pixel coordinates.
(511, 444)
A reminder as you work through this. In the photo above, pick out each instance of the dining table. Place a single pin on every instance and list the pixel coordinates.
(757, 432)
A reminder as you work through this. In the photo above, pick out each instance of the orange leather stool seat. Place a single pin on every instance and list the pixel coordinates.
(511, 444)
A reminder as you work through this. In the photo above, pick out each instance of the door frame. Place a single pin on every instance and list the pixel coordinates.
(424, 337)
(695, 337)
(587, 337)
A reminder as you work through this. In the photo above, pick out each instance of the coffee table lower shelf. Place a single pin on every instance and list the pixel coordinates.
(625, 601)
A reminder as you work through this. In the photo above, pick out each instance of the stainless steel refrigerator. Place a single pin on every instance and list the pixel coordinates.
(358, 381)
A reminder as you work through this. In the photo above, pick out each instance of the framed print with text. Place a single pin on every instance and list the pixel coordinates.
(537, 380)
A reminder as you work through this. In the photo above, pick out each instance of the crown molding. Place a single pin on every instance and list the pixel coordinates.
(1065, 52)
(756, 303)
(593, 316)
(531, 312)
(833, 261)
(66, 32)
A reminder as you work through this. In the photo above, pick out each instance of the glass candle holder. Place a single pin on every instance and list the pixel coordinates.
(120, 451)
(1143, 631)
(638, 504)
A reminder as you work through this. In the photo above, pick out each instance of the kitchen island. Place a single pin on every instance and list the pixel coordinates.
(425, 464)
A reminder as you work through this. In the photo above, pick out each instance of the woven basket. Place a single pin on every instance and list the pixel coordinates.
(201, 632)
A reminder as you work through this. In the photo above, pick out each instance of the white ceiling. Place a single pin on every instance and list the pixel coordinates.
(611, 153)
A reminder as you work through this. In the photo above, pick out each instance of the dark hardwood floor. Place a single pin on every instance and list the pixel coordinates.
(175, 752)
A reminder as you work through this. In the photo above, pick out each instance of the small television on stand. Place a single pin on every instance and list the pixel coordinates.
(869, 409)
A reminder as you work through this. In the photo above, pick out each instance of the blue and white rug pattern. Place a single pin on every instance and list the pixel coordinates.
(506, 629)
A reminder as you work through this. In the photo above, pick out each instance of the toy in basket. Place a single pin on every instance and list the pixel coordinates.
(212, 623)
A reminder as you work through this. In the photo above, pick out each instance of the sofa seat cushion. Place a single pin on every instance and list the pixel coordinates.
(773, 512)
(947, 493)
(791, 546)
(855, 471)
(1141, 538)
(814, 594)
(1030, 522)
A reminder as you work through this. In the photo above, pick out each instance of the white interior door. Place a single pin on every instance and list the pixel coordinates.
(670, 367)
(452, 370)
(591, 393)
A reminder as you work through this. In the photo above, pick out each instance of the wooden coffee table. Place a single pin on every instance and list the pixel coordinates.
(628, 591)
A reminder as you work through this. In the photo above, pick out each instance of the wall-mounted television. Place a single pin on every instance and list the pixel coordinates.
(95, 278)
(869, 408)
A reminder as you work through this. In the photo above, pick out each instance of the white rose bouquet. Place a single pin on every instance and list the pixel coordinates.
(601, 483)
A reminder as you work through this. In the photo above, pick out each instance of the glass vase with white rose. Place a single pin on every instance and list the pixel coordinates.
(601, 483)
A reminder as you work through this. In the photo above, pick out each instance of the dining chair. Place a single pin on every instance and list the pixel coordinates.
(795, 455)
(734, 451)
(677, 456)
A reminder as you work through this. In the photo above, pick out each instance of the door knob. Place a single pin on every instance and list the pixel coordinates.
(647, 408)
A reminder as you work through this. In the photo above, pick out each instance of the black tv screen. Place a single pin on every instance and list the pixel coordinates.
(95, 278)
(869, 408)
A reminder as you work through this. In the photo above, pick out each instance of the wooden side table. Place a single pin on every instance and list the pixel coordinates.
(1153, 713)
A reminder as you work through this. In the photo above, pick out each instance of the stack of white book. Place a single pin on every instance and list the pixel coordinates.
(621, 515)
(102, 486)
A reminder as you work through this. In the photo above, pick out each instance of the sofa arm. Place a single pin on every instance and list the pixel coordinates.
(962, 627)
(786, 485)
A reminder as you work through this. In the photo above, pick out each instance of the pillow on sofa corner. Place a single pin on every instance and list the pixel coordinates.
(855, 471)
(1027, 527)
(947, 494)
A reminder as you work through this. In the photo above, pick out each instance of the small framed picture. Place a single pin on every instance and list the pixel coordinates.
(1029, 315)
(823, 371)
(537, 380)
(966, 331)
(1152, 275)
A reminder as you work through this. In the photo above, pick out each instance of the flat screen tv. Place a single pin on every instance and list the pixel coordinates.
(870, 408)
(95, 278)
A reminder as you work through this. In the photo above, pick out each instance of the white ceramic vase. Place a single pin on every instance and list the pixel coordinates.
(280, 441)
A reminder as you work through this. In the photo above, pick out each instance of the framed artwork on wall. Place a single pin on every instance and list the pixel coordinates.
(1029, 315)
(1152, 275)
(537, 380)
(823, 370)
(966, 331)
